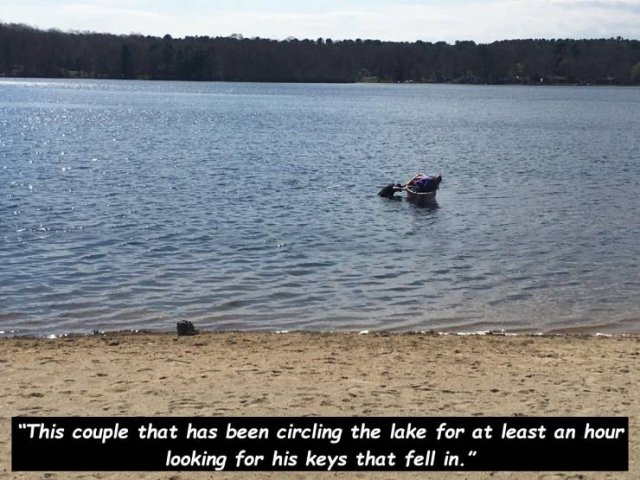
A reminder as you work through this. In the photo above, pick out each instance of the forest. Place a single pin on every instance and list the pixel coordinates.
(30, 52)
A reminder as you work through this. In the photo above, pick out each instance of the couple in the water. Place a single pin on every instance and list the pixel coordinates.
(420, 183)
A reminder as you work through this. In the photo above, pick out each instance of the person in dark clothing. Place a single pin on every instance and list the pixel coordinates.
(390, 189)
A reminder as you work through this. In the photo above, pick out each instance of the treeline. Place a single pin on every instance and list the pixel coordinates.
(29, 52)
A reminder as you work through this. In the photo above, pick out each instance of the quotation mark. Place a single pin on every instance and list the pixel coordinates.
(472, 453)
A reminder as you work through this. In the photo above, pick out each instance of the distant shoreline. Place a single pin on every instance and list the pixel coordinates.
(6, 77)
(30, 52)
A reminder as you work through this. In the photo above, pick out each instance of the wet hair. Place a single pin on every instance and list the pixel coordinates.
(387, 191)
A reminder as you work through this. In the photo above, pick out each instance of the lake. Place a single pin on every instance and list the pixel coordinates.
(133, 204)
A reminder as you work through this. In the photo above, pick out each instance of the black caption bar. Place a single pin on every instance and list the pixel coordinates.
(320, 443)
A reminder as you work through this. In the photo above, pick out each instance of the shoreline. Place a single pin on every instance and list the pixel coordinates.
(503, 84)
(565, 333)
(321, 374)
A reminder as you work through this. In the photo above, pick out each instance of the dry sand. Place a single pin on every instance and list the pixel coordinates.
(264, 374)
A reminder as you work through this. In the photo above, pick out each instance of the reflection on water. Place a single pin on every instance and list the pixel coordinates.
(254, 206)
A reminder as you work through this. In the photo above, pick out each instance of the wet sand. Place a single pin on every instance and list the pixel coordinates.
(337, 374)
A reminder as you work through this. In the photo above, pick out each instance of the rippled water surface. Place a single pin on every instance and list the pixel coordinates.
(253, 206)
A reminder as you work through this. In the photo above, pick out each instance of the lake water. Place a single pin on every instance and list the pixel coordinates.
(130, 205)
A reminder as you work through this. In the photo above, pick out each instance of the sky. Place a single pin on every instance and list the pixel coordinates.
(399, 20)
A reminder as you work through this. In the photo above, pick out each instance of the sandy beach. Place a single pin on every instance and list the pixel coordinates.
(334, 374)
